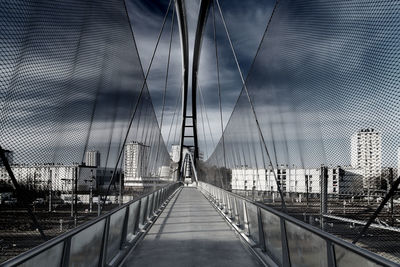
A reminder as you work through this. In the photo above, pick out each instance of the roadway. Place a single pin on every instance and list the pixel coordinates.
(190, 232)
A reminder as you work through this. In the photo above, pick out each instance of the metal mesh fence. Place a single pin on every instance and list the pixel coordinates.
(70, 79)
(325, 89)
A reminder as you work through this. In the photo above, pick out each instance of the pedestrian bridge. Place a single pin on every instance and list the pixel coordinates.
(199, 225)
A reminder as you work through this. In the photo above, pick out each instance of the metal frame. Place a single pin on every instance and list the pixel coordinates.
(202, 18)
(216, 196)
(167, 191)
(183, 32)
(201, 22)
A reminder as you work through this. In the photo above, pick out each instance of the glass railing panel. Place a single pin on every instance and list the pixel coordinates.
(49, 257)
(150, 206)
(235, 211)
(272, 235)
(115, 233)
(345, 257)
(86, 245)
(240, 202)
(156, 199)
(229, 206)
(253, 222)
(132, 219)
(143, 211)
(305, 247)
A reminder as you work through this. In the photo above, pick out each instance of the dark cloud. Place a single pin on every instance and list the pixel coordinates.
(246, 23)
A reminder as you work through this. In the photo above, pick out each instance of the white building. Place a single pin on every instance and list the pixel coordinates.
(175, 153)
(366, 154)
(293, 180)
(57, 177)
(92, 158)
(136, 164)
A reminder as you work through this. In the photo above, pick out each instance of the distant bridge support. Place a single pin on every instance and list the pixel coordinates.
(189, 138)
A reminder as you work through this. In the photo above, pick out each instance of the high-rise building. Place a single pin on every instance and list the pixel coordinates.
(136, 163)
(366, 154)
(92, 158)
(175, 153)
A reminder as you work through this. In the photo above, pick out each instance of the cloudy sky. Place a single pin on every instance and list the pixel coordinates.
(246, 23)
(323, 72)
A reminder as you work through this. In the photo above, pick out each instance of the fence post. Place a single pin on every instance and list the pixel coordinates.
(323, 195)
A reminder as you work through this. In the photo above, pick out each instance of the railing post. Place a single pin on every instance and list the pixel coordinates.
(145, 211)
(137, 218)
(330, 254)
(124, 228)
(246, 219)
(229, 198)
(285, 246)
(159, 199)
(237, 218)
(103, 252)
(323, 195)
(260, 230)
(66, 253)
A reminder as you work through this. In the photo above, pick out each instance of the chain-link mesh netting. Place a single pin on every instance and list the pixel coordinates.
(325, 89)
(70, 79)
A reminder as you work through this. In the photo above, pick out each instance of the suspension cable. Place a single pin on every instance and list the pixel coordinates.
(140, 94)
(204, 131)
(218, 83)
(248, 95)
(205, 111)
(173, 117)
(166, 84)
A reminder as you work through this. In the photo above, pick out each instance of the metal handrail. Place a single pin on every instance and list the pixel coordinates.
(65, 238)
(329, 238)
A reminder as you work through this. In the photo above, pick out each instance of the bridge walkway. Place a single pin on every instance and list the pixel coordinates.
(190, 232)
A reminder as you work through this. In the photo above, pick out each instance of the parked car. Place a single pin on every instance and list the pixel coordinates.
(107, 202)
(68, 199)
(38, 201)
(5, 196)
(57, 202)
(11, 201)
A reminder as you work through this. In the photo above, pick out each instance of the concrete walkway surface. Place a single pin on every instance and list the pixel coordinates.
(190, 232)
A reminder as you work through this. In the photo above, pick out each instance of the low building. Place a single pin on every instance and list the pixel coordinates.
(293, 180)
(58, 177)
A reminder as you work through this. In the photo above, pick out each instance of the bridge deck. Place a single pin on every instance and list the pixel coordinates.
(190, 232)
